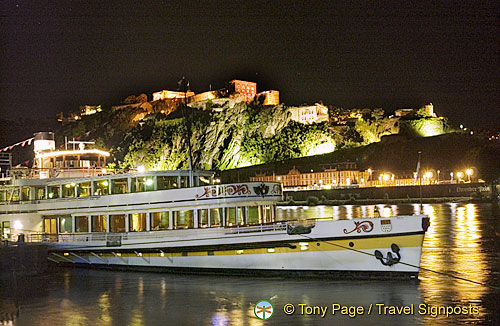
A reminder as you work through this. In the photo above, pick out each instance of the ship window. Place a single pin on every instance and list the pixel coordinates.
(215, 217)
(267, 214)
(101, 188)
(84, 189)
(203, 218)
(230, 216)
(119, 186)
(65, 224)
(50, 225)
(99, 223)
(39, 193)
(159, 221)
(184, 182)
(53, 192)
(117, 223)
(13, 194)
(82, 223)
(137, 222)
(142, 184)
(165, 183)
(253, 215)
(69, 190)
(25, 193)
(235, 215)
(3, 195)
(183, 219)
(240, 215)
(5, 230)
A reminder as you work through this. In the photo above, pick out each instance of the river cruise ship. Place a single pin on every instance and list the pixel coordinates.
(186, 221)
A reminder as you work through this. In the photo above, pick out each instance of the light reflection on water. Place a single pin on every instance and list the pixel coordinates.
(463, 239)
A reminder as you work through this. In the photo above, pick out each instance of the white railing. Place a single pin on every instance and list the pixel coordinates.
(280, 226)
(117, 238)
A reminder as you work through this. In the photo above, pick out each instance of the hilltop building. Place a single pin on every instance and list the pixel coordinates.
(271, 97)
(90, 109)
(309, 114)
(167, 95)
(237, 91)
(75, 116)
(245, 88)
(428, 109)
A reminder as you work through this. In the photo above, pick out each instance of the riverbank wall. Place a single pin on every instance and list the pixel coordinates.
(402, 193)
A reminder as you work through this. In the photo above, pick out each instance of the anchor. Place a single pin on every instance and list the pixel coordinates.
(389, 260)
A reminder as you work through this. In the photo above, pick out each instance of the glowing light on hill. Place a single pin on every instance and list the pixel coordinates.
(323, 148)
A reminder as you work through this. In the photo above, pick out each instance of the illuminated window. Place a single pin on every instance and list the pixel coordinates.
(142, 184)
(65, 224)
(69, 190)
(101, 188)
(99, 223)
(82, 224)
(184, 182)
(50, 225)
(203, 218)
(159, 221)
(84, 189)
(230, 216)
(253, 215)
(39, 193)
(5, 230)
(119, 186)
(137, 222)
(183, 219)
(165, 183)
(25, 193)
(117, 223)
(215, 217)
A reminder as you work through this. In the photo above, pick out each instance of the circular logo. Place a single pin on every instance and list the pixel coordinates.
(263, 310)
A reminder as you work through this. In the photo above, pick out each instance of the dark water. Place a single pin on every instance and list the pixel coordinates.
(463, 240)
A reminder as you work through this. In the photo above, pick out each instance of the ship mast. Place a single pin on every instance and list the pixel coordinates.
(184, 84)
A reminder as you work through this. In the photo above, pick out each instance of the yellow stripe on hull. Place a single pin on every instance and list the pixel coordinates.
(414, 240)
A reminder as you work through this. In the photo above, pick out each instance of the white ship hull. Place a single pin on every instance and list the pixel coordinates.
(228, 228)
(340, 248)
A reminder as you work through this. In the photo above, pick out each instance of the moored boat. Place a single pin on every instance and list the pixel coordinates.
(186, 221)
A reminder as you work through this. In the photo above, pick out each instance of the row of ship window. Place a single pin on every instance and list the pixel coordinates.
(163, 220)
(98, 188)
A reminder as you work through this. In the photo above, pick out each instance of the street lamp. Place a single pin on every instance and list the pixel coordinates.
(469, 172)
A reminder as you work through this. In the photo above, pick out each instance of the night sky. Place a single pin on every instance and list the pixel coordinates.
(58, 55)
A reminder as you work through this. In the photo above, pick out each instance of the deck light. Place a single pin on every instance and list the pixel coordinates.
(18, 225)
(149, 182)
(270, 250)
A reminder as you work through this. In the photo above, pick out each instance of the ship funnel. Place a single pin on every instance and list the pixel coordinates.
(44, 141)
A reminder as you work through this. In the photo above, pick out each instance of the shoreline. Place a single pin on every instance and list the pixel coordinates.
(351, 201)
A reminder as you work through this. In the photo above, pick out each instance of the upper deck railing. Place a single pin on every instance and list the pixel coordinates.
(114, 239)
